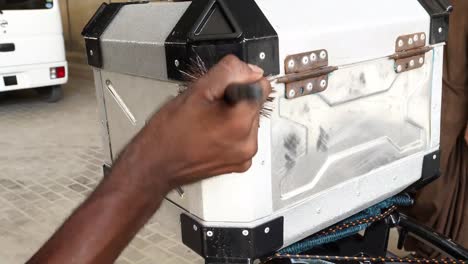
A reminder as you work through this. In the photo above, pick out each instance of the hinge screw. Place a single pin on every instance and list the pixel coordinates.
(262, 55)
(245, 232)
(400, 43)
(310, 86)
(323, 54)
(421, 60)
(313, 57)
(267, 230)
(434, 157)
(423, 36)
(209, 233)
(410, 41)
(399, 68)
(195, 228)
(416, 38)
(441, 30)
(176, 63)
(91, 52)
(305, 60)
(291, 64)
(323, 83)
(292, 93)
(411, 63)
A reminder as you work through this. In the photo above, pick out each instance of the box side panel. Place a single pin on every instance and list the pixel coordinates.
(130, 102)
(369, 117)
(102, 117)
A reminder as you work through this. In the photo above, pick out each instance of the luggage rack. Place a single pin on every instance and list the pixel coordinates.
(372, 246)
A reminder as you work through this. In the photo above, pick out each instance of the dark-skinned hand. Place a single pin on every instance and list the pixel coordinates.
(198, 135)
(195, 136)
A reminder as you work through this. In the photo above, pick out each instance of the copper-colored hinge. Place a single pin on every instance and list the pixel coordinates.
(410, 51)
(306, 73)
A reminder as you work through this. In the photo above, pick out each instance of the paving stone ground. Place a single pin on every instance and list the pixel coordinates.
(50, 161)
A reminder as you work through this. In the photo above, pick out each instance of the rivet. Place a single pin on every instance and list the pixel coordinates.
(195, 228)
(411, 63)
(292, 93)
(245, 232)
(400, 43)
(310, 86)
(176, 63)
(323, 54)
(399, 68)
(441, 30)
(421, 60)
(267, 230)
(262, 55)
(209, 233)
(434, 157)
(410, 41)
(416, 38)
(305, 60)
(313, 57)
(323, 83)
(291, 64)
(423, 36)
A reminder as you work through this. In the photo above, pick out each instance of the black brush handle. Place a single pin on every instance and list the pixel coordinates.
(237, 92)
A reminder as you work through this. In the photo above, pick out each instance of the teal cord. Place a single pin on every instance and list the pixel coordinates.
(308, 244)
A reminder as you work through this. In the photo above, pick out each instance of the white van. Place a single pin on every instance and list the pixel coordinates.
(32, 51)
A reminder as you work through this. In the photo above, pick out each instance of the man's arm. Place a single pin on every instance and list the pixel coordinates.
(194, 136)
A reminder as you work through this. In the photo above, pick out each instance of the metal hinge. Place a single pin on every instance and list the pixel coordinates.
(306, 73)
(410, 52)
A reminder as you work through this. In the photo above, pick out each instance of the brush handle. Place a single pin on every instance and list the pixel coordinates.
(238, 92)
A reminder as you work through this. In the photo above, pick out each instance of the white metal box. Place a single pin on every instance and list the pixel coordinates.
(362, 136)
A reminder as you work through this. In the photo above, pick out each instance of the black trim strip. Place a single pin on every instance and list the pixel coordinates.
(439, 11)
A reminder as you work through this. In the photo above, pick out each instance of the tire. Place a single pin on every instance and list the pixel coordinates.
(51, 94)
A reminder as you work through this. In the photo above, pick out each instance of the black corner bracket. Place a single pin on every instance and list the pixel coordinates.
(232, 245)
(94, 29)
(430, 171)
(212, 29)
(439, 11)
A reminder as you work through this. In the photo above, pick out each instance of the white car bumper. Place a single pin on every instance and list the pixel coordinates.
(31, 76)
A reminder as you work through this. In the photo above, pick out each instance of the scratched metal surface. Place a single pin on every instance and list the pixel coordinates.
(368, 117)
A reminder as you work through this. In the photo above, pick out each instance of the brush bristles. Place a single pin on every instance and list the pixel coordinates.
(197, 69)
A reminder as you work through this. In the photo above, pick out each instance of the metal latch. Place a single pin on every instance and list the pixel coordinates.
(410, 52)
(306, 73)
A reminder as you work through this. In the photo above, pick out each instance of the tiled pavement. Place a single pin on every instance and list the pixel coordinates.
(50, 160)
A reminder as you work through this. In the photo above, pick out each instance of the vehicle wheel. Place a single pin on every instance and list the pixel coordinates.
(51, 94)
